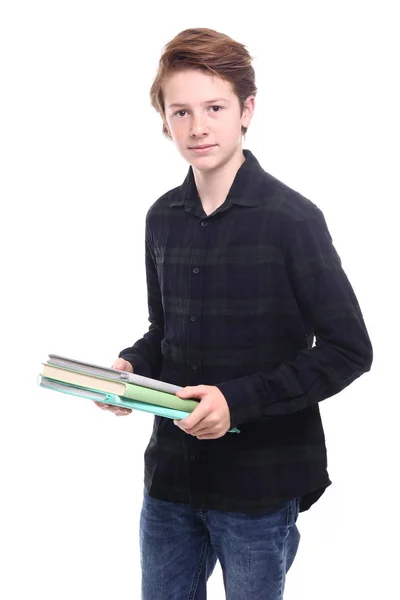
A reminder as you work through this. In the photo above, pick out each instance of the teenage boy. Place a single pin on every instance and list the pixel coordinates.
(251, 311)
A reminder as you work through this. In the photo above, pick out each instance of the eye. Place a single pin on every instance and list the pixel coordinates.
(177, 113)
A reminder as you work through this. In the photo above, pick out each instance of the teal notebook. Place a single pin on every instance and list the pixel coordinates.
(115, 400)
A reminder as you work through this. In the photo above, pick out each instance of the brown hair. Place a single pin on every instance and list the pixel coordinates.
(205, 50)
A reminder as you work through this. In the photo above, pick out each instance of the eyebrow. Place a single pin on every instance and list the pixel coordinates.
(206, 102)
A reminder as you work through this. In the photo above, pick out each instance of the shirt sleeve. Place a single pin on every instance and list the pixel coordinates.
(342, 351)
(145, 354)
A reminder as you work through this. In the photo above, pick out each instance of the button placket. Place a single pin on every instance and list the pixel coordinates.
(196, 293)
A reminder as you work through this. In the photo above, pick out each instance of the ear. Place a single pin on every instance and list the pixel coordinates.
(248, 110)
(166, 129)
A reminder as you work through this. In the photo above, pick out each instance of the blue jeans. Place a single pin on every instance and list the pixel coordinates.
(180, 545)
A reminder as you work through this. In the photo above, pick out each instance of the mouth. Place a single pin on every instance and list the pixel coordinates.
(202, 149)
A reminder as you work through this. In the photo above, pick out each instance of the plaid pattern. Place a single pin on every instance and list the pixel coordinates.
(237, 299)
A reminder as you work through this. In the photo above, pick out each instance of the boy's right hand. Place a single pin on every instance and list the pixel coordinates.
(122, 365)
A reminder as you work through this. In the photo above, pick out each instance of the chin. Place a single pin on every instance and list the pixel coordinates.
(205, 160)
(202, 164)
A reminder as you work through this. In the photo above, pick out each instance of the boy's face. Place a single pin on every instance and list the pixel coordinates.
(198, 121)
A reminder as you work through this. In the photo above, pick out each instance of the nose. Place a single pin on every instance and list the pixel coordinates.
(198, 128)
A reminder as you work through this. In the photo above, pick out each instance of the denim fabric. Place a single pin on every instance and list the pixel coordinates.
(180, 545)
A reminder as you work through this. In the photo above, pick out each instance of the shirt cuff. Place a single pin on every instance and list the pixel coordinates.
(242, 400)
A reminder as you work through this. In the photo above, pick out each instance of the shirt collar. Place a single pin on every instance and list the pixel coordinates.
(242, 191)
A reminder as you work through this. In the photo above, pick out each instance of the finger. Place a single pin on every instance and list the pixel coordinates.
(202, 429)
(122, 414)
(110, 407)
(203, 432)
(120, 409)
(211, 436)
(102, 405)
(196, 416)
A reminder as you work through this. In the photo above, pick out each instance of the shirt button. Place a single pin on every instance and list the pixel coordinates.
(193, 319)
(196, 270)
(194, 367)
(192, 457)
(204, 223)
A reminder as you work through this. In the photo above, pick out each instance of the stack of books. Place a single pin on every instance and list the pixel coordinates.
(119, 388)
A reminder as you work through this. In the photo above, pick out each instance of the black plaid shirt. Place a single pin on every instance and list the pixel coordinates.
(252, 299)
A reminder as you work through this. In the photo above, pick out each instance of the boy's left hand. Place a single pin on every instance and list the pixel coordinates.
(211, 419)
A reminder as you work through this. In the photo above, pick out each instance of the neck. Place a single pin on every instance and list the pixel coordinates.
(213, 186)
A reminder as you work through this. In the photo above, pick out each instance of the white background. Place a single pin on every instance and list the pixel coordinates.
(82, 160)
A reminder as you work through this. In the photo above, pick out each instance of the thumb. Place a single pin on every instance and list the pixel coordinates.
(191, 391)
